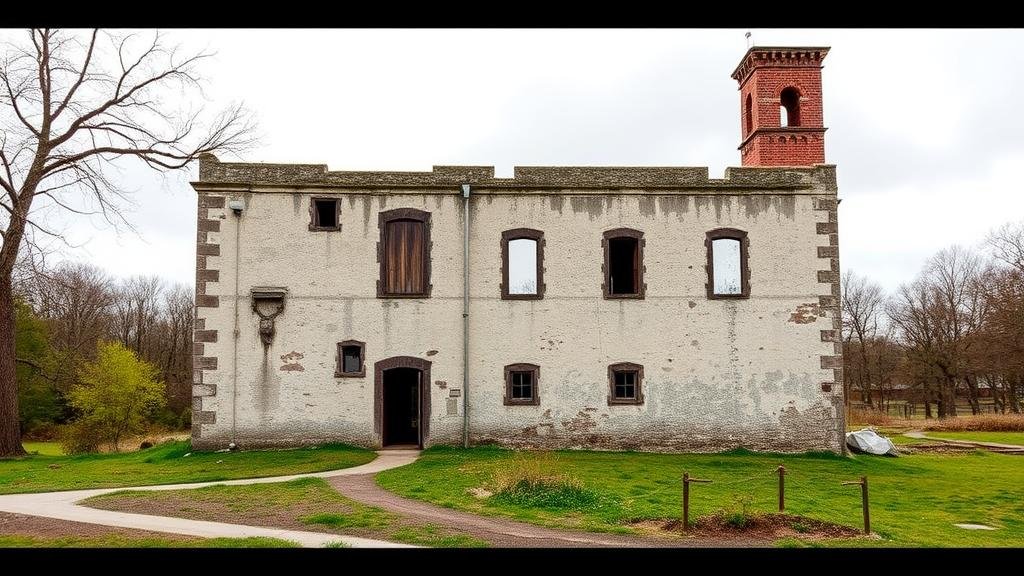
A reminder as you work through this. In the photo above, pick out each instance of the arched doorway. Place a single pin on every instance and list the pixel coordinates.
(401, 401)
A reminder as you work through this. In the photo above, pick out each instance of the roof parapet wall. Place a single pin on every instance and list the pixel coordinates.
(213, 173)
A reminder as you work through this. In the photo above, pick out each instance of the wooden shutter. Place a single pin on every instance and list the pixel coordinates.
(405, 257)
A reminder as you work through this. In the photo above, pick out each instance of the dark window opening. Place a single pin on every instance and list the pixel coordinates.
(351, 359)
(324, 214)
(521, 384)
(625, 383)
(789, 107)
(404, 254)
(623, 265)
(749, 115)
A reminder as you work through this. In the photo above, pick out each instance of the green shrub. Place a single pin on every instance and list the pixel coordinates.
(81, 437)
(117, 392)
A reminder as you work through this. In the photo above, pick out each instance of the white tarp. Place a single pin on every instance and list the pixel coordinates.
(866, 441)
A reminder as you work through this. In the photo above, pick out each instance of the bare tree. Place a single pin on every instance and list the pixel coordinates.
(1007, 244)
(136, 308)
(937, 317)
(863, 302)
(70, 104)
(176, 340)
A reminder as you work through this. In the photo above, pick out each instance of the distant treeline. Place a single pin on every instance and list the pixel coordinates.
(955, 331)
(63, 313)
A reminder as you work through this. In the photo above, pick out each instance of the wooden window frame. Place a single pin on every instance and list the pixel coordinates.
(606, 267)
(314, 216)
(403, 214)
(522, 234)
(625, 367)
(709, 243)
(339, 368)
(522, 367)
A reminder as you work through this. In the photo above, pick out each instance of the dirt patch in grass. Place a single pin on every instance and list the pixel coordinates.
(24, 531)
(760, 526)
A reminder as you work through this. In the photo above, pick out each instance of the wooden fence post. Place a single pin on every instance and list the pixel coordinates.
(782, 489)
(864, 501)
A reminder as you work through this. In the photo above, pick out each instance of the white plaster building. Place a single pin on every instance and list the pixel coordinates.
(608, 307)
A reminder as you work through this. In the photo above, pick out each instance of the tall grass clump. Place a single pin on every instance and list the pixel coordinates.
(533, 480)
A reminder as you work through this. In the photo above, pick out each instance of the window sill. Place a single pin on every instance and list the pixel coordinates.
(625, 401)
(522, 296)
(350, 374)
(534, 402)
(624, 296)
(728, 296)
(324, 228)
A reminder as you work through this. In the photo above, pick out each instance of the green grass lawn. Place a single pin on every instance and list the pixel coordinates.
(167, 463)
(997, 437)
(43, 448)
(915, 500)
(302, 504)
(118, 541)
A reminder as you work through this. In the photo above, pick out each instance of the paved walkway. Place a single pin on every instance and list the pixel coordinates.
(994, 446)
(509, 533)
(64, 505)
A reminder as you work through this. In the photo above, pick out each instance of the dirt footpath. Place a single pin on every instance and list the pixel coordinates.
(509, 533)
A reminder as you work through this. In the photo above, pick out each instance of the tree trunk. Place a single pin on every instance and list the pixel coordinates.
(10, 430)
(972, 394)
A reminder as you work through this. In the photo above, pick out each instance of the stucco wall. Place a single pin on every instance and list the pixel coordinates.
(717, 373)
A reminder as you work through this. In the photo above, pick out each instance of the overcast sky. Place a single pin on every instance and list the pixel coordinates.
(924, 126)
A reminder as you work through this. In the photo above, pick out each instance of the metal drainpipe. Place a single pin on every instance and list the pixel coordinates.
(465, 315)
(236, 333)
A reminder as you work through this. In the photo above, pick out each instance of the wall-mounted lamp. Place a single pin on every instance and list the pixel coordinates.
(237, 206)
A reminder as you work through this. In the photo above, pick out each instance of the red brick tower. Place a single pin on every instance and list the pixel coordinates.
(780, 106)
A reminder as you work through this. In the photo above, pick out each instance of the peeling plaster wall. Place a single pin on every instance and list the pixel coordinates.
(718, 374)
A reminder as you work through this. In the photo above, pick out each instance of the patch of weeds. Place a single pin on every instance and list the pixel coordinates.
(532, 480)
(431, 535)
(800, 527)
(738, 514)
(547, 493)
(346, 520)
(338, 544)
